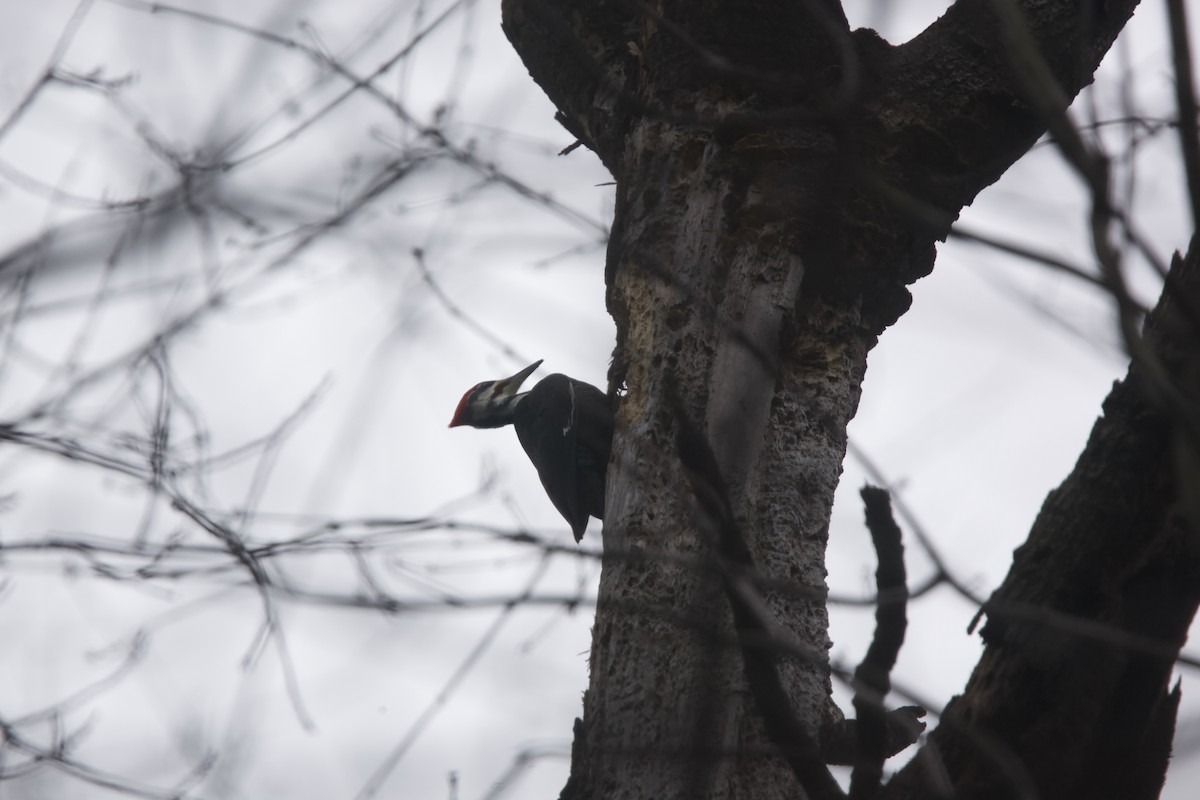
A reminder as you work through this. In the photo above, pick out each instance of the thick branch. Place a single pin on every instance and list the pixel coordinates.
(1113, 549)
(607, 63)
(956, 106)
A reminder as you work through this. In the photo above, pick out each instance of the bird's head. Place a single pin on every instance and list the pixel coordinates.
(490, 404)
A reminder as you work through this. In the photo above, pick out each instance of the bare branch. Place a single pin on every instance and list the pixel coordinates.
(872, 678)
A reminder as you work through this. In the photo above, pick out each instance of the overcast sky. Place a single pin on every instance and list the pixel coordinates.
(328, 290)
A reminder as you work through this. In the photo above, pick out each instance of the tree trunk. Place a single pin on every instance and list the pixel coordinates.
(706, 288)
(780, 180)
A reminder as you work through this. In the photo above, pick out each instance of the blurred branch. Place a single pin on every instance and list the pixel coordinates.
(377, 779)
(57, 757)
(1028, 253)
(456, 311)
(1045, 94)
(521, 764)
(1185, 98)
(943, 573)
(64, 42)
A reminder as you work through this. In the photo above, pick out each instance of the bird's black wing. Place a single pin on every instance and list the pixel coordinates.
(593, 444)
(548, 422)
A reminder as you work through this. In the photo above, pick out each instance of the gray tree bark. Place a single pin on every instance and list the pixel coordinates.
(780, 181)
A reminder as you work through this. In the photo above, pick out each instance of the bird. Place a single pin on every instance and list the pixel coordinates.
(566, 428)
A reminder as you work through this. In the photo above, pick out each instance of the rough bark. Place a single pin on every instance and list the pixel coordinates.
(780, 181)
(1071, 698)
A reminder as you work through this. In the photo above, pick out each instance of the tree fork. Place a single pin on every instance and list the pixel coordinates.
(780, 181)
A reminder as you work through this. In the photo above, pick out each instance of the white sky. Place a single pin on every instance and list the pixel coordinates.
(977, 402)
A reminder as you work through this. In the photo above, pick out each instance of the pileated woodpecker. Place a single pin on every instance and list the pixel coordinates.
(566, 428)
